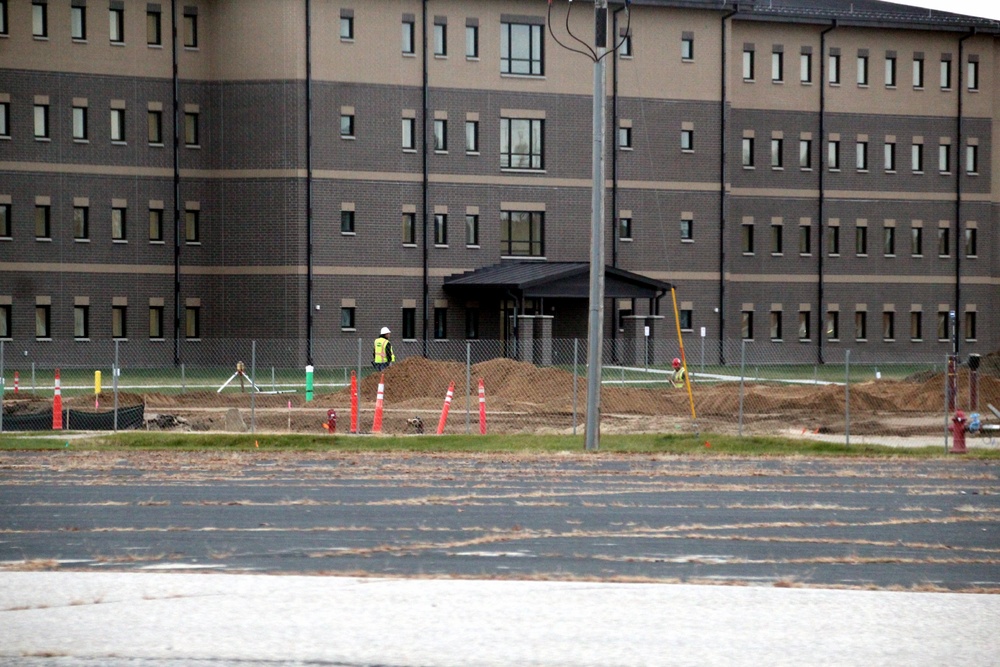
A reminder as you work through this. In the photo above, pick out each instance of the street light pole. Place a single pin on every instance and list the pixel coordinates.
(596, 315)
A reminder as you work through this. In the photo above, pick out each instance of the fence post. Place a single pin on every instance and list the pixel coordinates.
(183, 380)
(468, 387)
(2, 387)
(743, 363)
(253, 385)
(947, 360)
(33, 377)
(114, 378)
(847, 398)
(576, 350)
(274, 387)
(359, 359)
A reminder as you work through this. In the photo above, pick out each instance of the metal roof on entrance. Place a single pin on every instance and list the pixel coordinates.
(555, 280)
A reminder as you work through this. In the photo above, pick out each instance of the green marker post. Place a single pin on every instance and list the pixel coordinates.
(309, 383)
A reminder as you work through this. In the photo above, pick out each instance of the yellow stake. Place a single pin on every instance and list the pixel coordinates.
(97, 382)
(680, 340)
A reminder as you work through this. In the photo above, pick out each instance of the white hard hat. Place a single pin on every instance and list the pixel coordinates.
(384, 330)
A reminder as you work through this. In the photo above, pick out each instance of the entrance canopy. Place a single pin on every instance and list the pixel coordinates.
(567, 280)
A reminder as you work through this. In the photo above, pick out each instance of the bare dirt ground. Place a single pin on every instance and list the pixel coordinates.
(522, 398)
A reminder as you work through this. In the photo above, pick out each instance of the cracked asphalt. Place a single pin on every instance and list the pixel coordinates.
(883, 524)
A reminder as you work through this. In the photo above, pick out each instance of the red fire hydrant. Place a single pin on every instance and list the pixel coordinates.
(331, 420)
(958, 428)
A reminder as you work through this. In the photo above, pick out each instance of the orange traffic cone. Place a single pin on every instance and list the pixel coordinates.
(446, 407)
(354, 402)
(377, 424)
(482, 408)
(57, 422)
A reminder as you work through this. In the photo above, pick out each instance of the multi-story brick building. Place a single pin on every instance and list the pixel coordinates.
(811, 174)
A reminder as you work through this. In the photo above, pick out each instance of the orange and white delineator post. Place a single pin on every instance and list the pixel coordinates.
(377, 424)
(57, 422)
(482, 408)
(354, 402)
(17, 380)
(446, 407)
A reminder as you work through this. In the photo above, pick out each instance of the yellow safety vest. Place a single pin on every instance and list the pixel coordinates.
(380, 355)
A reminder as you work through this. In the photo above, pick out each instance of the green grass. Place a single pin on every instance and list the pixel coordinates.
(705, 445)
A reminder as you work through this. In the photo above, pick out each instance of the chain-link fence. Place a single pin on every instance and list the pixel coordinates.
(533, 386)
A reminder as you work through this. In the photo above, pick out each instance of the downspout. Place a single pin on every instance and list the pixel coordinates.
(958, 198)
(177, 187)
(423, 184)
(821, 328)
(723, 171)
(309, 188)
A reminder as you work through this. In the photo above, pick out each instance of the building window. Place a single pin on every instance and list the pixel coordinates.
(972, 159)
(805, 154)
(192, 322)
(889, 241)
(521, 143)
(748, 64)
(472, 323)
(973, 74)
(833, 325)
(78, 22)
(918, 72)
(747, 152)
(41, 121)
(970, 242)
(747, 238)
(890, 156)
(118, 125)
(777, 67)
(833, 155)
(687, 48)
(409, 323)
(192, 226)
(347, 125)
(917, 158)
(190, 29)
(154, 33)
(347, 319)
(916, 325)
(888, 325)
(156, 322)
(833, 240)
(346, 27)
(119, 322)
(625, 229)
(806, 68)
(862, 153)
(687, 140)
(890, 71)
(522, 233)
(6, 322)
(81, 223)
(861, 325)
(834, 69)
(945, 74)
(625, 46)
(117, 20)
(39, 20)
(804, 325)
(521, 49)
(440, 39)
(944, 159)
(3, 20)
(118, 224)
(625, 138)
(80, 123)
(862, 70)
(191, 136)
(441, 229)
(917, 241)
(81, 322)
(43, 226)
(440, 135)
(687, 229)
(861, 240)
(4, 119)
(346, 222)
(777, 153)
(777, 239)
(970, 325)
(409, 31)
(5, 226)
(942, 325)
(472, 136)
(156, 224)
(409, 228)
(775, 325)
(746, 324)
(944, 242)
(472, 41)
(440, 323)
(686, 319)
(471, 229)
(154, 125)
(409, 134)
(805, 240)
(43, 321)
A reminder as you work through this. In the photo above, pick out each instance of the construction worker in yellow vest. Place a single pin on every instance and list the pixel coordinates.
(383, 355)
(677, 378)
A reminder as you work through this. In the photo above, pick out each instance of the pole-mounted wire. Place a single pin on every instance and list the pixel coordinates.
(590, 53)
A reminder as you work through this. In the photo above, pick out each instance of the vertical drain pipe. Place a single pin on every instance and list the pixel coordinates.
(177, 186)
(958, 198)
(723, 171)
(309, 189)
(821, 328)
(423, 194)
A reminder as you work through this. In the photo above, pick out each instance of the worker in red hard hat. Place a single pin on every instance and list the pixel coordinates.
(677, 379)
